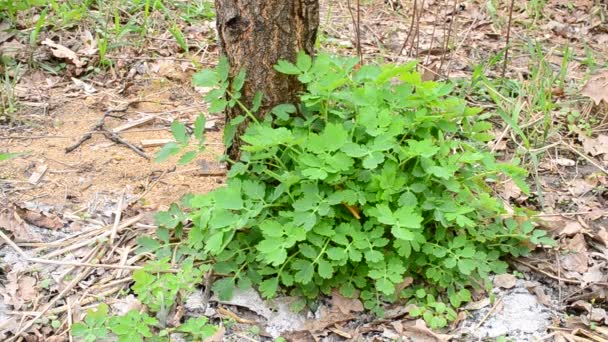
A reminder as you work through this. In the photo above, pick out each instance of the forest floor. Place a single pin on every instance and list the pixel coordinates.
(64, 68)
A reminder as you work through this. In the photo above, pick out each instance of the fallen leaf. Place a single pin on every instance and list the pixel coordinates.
(580, 186)
(597, 315)
(537, 290)
(123, 305)
(510, 190)
(39, 218)
(12, 222)
(597, 87)
(582, 305)
(88, 89)
(345, 305)
(218, 336)
(419, 332)
(595, 146)
(63, 52)
(565, 162)
(5, 32)
(575, 256)
(595, 274)
(89, 47)
(571, 228)
(505, 281)
(328, 318)
(602, 236)
(477, 305)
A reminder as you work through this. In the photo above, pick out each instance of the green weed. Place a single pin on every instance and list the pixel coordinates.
(374, 176)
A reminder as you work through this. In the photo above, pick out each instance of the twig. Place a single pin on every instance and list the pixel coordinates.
(99, 125)
(585, 157)
(565, 280)
(447, 40)
(58, 262)
(126, 223)
(357, 26)
(117, 139)
(117, 217)
(504, 66)
(409, 33)
(498, 302)
(52, 302)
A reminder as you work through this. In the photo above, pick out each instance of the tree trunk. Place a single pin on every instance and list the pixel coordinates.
(254, 35)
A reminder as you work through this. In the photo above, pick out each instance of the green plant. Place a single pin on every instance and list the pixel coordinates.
(136, 326)
(375, 176)
(133, 326)
(94, 326)
(159, 289)
(7, 156)
(198, 328)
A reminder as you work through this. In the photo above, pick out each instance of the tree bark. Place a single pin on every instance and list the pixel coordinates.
(254, 35)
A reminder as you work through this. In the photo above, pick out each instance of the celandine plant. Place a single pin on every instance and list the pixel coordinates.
(375, 177)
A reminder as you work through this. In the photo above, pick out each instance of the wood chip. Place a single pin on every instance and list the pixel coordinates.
(155, 142)
(38, 174)
(134, 123)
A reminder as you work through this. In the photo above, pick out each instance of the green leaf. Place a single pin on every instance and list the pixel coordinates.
(199, 127)
(303, 62)
(285, 67)
(305, 271)
(223, 69)
(7, 156)
(239, 80)
(466, 266)
(326, 270)
(178, 130)
(224, 288)
(170, 149)
(229, 197)
(268, 288)
(257, 101)
(205, 78)
(218, 106)
(187, 157)
(283, 111)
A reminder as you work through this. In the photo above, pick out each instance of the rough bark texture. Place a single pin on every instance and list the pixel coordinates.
(254, 35)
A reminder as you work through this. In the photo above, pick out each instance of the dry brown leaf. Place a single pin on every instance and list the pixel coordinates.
(63, 52)
(505, 281)
(510, 190)
(565, 162)
(12, 49)
(597, 87)
(580, 186)
(19, 289)
(39, 218)
(575, 256)
(571, 228)
(218, 336)
(345, 305)
(12, 222)
(5, 32)
(421, 333)
(477, 305)
(89, 47)
(602, 235)
(595, 274)
(595, 146)
(328, 318)
(535, 289)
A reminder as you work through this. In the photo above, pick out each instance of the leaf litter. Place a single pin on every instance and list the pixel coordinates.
(571, 285)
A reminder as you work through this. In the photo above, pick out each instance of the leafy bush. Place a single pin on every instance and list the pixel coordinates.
(374, 177)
